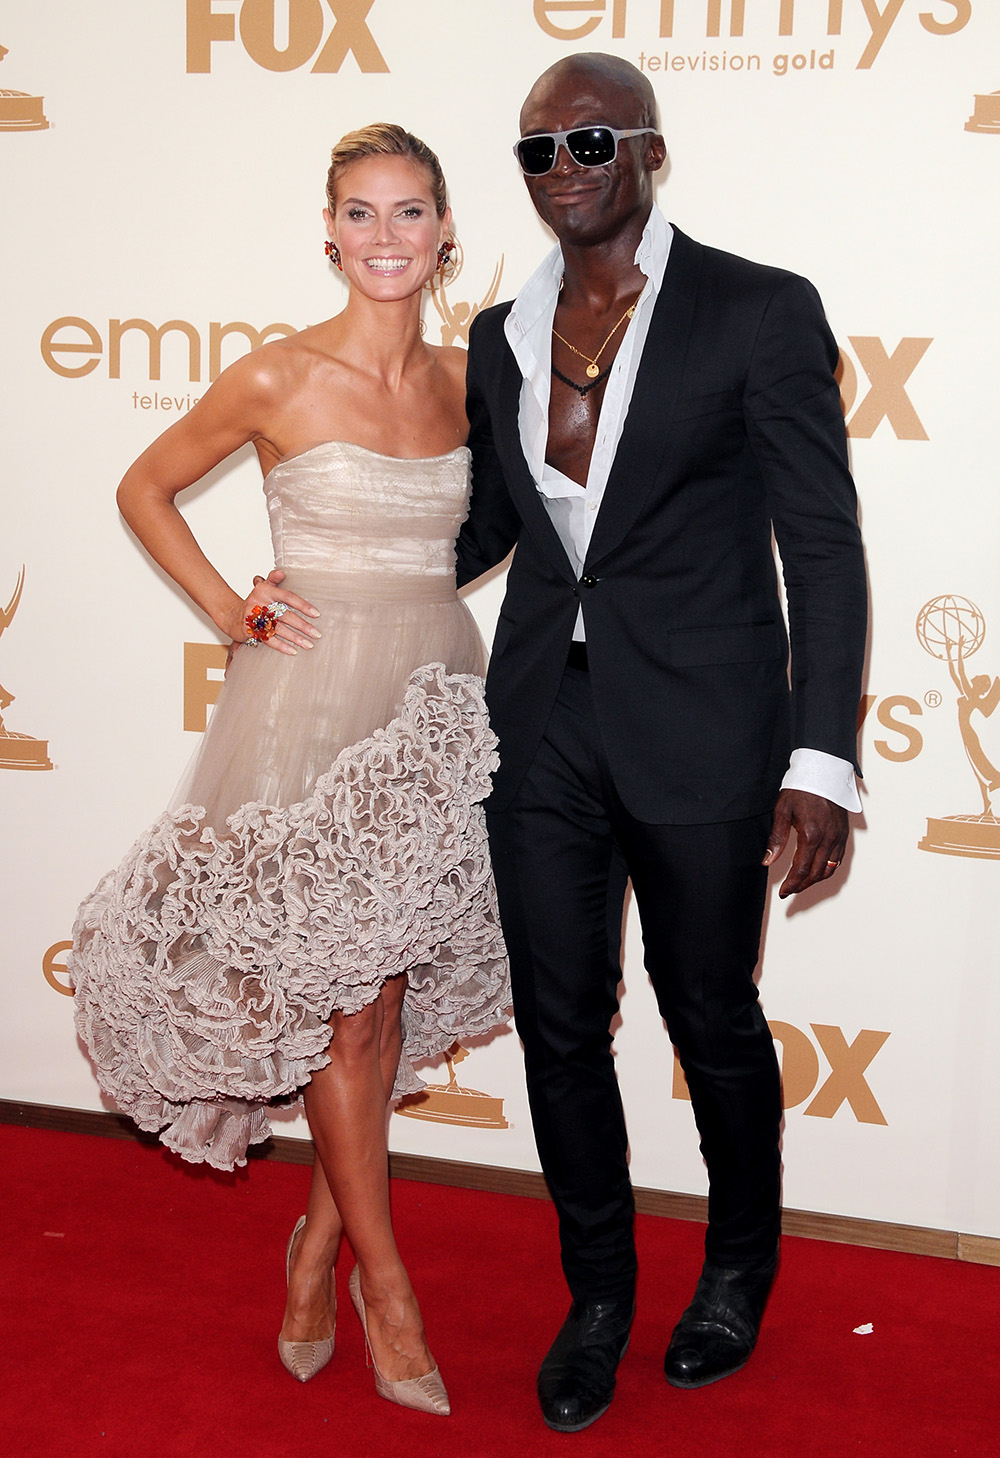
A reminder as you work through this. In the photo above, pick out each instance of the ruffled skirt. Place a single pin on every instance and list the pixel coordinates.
(208, 964)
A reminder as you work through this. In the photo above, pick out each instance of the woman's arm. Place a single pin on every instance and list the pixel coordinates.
(229, 415)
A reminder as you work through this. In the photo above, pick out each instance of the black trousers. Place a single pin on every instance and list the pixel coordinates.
(563, 853)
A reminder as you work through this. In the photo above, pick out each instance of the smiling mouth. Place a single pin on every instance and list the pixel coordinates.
(569, 194)
(387, 265)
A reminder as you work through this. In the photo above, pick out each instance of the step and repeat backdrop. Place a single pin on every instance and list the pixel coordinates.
(162, 176)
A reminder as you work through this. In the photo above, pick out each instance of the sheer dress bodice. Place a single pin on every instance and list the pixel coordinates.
(342, 509)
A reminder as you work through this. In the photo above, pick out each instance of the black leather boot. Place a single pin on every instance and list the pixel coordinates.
(576, 1381)
(718, 1331)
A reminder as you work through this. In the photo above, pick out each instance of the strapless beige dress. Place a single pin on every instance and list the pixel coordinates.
(328, 835)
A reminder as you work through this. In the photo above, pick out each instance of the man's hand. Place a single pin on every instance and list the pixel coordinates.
(821, 830)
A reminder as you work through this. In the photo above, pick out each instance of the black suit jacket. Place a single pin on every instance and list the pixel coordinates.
(734, 427)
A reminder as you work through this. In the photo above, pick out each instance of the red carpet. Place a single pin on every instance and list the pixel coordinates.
(141, 1301)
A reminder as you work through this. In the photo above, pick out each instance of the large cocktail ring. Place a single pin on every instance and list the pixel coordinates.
(261, 621)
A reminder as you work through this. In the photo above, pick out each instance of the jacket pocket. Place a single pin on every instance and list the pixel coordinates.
(740, 643)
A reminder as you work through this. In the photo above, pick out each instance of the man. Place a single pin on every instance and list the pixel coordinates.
(641, 417)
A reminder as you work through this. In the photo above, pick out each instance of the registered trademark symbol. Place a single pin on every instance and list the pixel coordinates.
(932, 698)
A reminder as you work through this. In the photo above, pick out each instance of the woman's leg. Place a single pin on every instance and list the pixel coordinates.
(310, 1279)
(346, 1107)
(310, 1286)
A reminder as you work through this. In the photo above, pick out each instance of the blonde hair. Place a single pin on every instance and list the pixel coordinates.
(385, 139)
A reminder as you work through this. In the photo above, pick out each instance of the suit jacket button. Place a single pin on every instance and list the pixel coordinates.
(588, 581)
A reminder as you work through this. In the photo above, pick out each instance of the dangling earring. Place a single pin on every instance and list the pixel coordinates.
(333, 253)
(444, 253)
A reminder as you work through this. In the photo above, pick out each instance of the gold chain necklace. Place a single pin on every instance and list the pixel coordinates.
(593, 368)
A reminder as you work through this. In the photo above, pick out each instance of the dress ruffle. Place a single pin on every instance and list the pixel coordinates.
(207, 966)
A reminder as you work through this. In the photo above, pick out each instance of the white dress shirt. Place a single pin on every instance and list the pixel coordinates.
(573, 508)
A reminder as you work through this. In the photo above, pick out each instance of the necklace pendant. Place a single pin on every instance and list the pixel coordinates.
(593, 370)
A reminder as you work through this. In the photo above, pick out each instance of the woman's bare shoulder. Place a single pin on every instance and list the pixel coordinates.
(452, 360)
(453, 356)
(275, 370)
(281, 358)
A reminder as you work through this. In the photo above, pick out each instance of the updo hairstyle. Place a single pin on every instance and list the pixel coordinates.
(385, 139)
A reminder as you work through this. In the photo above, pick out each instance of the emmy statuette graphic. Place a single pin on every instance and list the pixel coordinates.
(449, 1103)
(456, 318)
(20, 112)
(986, 114)
(18, 751)
(952, 628)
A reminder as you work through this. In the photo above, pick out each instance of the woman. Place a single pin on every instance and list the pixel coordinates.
(317, 909)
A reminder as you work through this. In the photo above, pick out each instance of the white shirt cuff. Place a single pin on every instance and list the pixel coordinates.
(823, 774)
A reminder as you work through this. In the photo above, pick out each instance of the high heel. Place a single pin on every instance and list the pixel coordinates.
(425, 1394)
(304, 1359)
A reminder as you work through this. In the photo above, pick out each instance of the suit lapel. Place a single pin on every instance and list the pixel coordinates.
(523, 490)
(654, 399)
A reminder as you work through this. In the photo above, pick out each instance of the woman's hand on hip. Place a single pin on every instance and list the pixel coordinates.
(283, 619)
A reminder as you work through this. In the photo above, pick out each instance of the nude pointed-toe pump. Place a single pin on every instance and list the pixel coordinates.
(304, 1359)
(424, 1394)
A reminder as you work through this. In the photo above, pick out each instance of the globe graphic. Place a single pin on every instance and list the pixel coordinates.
(949, 625)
